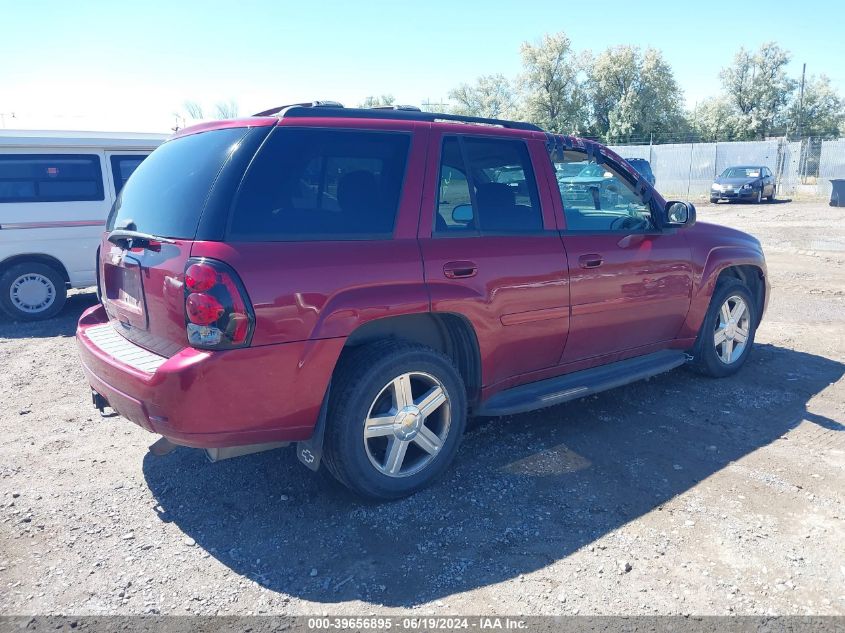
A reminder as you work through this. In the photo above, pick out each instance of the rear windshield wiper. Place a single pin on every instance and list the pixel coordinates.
(130, 239)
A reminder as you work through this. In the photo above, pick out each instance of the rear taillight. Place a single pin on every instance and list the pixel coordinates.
(218, 313)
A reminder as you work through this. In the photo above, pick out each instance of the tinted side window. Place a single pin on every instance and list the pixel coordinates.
(455, 212)
(322, 185)
(487, 185)
(50, 177)
(122, 167)
(597, 198)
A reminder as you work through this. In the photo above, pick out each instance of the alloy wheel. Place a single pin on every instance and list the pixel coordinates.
(407, 424)
(732, 329)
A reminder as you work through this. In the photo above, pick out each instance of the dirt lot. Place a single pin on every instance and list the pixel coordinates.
(678, 495)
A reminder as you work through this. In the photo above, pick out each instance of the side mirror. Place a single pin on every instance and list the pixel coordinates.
(679, 213)
(462, 214)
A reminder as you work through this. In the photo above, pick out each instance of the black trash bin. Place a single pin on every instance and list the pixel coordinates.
(837, 192)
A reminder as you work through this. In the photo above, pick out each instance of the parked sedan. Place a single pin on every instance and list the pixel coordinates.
(744, 183)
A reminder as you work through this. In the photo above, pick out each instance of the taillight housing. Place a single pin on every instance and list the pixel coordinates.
(218, 312)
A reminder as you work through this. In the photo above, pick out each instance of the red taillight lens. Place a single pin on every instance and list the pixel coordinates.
(203, 309)
(200, 277)
(218, 313)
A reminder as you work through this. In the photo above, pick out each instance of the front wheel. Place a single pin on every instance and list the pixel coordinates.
(759, 197)
(32, 291)
(728, 330)
(397, 412)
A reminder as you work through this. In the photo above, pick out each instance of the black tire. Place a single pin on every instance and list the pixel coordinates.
(771, 196)
(706, 358)
(759, 197)
(714, 201)
(46, 273)
(361, 375)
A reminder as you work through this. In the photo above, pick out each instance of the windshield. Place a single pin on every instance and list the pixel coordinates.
(166, 195)
(741, 172)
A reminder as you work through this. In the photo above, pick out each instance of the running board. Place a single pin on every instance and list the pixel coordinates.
(547, 393)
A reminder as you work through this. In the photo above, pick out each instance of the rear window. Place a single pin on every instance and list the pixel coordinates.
(168, 191)
(50, 178)
(322, 185)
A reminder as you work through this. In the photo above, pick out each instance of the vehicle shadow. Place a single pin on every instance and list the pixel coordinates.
(525, 491)
(63, 324)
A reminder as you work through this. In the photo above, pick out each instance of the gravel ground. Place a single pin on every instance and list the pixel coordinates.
(678, 495)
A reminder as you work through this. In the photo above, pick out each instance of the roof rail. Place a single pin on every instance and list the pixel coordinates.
(411, 108)
(328, 109)
(306, 104)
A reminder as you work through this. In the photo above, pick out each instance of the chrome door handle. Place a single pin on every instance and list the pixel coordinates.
(460, 270)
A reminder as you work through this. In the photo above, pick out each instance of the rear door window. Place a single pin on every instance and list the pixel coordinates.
(487, 186)
(122, 167)
(168, 191)
(50, 178)
(315, 184)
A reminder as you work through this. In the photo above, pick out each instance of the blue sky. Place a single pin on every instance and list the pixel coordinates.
(130, 65)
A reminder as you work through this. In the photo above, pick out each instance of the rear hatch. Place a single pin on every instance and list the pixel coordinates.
(181, 193)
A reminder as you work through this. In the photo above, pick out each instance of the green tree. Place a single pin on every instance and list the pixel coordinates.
(633, 93)
(758, 89)
(552, 81)
(374, 102)
(714, 119)
(822, 112)
(490, 96)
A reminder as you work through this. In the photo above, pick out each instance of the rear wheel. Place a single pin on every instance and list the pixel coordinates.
(32, 291)
(728, 330)
(397, 412)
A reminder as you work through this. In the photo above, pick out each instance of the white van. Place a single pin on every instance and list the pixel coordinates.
(56, 189)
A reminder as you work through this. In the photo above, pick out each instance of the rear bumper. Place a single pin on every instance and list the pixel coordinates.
(213, 399)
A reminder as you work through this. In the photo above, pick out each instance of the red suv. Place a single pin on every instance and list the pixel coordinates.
(360, 281)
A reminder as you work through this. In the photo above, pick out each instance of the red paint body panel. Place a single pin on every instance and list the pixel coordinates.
(637, 296)
(266, 121)
(536, 312)
(224, 398)
(315, 290)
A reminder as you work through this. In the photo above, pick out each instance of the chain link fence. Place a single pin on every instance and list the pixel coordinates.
(803, 169)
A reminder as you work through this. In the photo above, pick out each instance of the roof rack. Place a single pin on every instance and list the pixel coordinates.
(305, 104)
(333, 109)
(411, 108)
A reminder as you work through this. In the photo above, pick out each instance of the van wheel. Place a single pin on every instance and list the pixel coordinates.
(397, 412)
(32, 291)
(728, 330)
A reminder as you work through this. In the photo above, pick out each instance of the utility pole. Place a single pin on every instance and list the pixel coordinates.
(801, 102)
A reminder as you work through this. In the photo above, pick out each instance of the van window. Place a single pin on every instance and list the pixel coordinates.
(168, 191)
(322, 185)
(50, 177)
(122, 167)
